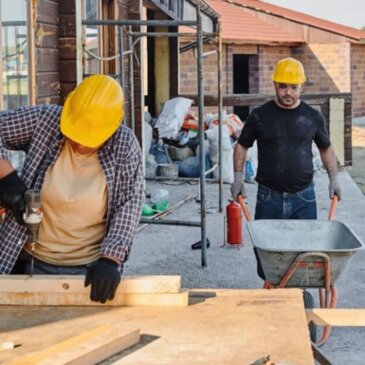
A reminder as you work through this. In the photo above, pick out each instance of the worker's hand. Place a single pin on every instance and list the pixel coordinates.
(237, 187)
(334, 186)
(104, 278)
(12, 190)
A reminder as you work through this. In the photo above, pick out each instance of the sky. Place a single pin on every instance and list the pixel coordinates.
(346, 12)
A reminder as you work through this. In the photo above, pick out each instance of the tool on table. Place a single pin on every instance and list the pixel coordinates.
(32, 218)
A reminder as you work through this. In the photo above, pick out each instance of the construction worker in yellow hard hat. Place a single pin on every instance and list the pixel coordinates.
(87, 166)
(284, 129)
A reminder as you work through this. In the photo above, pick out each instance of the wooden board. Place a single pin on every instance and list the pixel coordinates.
(87, 348)
(233, 327)
(75, 284)
(75, 299)
(70, 291)
(337, 317)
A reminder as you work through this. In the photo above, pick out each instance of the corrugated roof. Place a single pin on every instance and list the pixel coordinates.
(240, 25)
(301, 18)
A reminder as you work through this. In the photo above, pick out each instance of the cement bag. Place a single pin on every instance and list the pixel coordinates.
(227, 153)
(172, 117)
(232, 121)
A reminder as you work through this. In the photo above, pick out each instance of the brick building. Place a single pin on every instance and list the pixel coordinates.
(257, 34)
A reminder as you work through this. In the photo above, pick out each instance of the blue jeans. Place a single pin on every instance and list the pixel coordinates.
(272, 204)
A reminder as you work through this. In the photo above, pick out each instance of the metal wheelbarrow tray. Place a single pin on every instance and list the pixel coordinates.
(280, 242)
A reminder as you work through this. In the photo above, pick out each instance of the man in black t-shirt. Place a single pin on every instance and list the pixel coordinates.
(285, 129)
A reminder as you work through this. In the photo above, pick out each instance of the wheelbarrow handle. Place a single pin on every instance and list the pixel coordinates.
(332, 212)
(244, 207)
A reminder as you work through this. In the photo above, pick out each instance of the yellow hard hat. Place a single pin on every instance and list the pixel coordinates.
(289, 71)
(93, 111)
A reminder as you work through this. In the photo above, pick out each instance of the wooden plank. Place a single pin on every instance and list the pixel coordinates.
(222, 327)
(88, 348)
(75, 284)
(47, 59)
(46, 36)
(67, 48)
(337, 127)
(255, 100)
(83, 299)
(48, 84)
(47, 11)
(337, 317)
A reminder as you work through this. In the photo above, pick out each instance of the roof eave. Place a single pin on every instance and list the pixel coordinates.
(261, 42)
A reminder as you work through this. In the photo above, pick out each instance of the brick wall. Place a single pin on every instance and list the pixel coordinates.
(268, 57)
(358, 80)
(327, 67)
(188, 71)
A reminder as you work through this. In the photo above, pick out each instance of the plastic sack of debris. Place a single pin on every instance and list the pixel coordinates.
(251, 164)
(227, 152)
(172, 117)
(147, 138)
(232, 121)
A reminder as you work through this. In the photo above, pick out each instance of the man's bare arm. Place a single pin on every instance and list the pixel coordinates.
(328, 157)
(5, 168)
(239, 157)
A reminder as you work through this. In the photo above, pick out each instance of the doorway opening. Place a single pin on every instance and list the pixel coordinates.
(241, 83)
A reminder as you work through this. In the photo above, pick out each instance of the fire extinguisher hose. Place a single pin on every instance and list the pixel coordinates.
(244, 207)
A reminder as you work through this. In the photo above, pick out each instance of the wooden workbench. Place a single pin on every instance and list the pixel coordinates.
(218, 327)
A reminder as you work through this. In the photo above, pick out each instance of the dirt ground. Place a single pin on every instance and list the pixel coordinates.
(357, 170)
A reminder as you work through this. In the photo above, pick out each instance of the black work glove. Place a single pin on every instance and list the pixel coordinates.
(12, 191)
(104, 278)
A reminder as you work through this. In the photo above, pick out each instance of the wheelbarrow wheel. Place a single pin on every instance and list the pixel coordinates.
(309, 304)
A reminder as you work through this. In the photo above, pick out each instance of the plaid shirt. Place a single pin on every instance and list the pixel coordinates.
(36, 130)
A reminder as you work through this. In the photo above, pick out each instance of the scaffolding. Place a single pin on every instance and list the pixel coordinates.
(125, 26)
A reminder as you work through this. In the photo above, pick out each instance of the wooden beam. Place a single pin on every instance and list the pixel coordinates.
(337, 317)
(75, 284)
(89, 348)
(70, 290)
(83, 299)
(258, 99)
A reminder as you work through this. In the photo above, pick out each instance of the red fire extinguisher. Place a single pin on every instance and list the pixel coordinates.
(234, 223)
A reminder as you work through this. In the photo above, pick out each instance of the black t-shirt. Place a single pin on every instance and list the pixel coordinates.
(284, 143)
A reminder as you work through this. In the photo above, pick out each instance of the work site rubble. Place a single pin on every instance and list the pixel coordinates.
(172, 142)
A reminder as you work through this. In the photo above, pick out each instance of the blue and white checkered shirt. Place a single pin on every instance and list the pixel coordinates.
(36, 130)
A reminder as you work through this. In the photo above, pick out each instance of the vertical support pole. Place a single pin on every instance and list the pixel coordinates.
(220, 116)
(201, 136)
(17, 62)
(79, 40)
(131, 80)
(121, 56)
(32, 86)
(1, 64)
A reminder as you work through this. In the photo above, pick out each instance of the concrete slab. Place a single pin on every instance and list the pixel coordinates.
(166, 250)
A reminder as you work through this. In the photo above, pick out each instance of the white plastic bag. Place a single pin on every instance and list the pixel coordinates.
(227, 153)
(172, 117)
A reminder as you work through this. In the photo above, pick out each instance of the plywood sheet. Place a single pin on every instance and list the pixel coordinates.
(231, 327)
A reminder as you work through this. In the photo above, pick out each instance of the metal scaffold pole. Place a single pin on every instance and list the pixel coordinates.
(201, 137)
(220, 111)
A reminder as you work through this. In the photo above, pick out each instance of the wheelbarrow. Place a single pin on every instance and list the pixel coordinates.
(304, 254)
